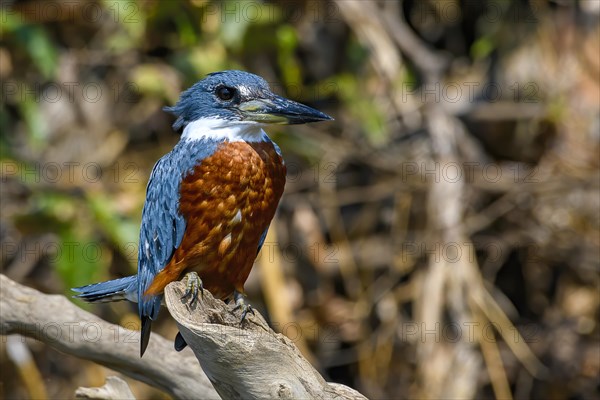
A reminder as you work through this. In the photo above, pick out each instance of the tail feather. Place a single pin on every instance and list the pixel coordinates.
(123, 289)
(103, 292)
(145, 334)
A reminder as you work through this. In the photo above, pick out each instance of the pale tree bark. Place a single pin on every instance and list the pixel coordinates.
(115, 388)
(59, 323)
(245, 360)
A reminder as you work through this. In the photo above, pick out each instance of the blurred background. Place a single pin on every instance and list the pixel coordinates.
(439, 239)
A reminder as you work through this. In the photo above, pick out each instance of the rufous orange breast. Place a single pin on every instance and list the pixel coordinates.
(228, 201)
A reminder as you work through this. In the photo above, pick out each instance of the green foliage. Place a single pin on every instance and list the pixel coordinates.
(482, 47)
(287, 43)
(121, 232)
(33, 39)
(35, 126)
(80, 258)
(362, 108)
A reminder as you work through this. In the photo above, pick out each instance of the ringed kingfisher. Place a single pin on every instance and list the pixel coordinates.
(209, 202)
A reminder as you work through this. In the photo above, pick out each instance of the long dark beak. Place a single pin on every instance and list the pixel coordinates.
(279, 110)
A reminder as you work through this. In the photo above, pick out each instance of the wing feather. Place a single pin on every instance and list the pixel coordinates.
(163, 227)
(159, 232)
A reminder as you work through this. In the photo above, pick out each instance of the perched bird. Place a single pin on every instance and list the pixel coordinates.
(209, 202)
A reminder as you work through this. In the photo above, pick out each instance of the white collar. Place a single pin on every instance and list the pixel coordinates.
(222, 129)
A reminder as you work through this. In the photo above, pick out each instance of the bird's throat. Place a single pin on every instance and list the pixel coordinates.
(224, 130)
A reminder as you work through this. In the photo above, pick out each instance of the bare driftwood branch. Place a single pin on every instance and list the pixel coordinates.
(250, 360)
(115, 388)
(59, 323)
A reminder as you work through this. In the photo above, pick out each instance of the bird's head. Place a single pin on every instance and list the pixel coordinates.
(241, 99)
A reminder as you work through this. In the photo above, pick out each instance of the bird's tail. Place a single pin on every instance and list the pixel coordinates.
(115, 290)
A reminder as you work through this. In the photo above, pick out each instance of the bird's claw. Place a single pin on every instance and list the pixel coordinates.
(240, 304)
(193, 287)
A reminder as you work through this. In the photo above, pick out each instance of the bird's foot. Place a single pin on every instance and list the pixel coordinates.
(240, 304)
(193, 287)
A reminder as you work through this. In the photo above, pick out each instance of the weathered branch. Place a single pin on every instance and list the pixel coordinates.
(59, 323)
(115, 388)
(250, 360)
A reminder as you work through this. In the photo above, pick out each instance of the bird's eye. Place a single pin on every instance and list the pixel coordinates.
(225, 93)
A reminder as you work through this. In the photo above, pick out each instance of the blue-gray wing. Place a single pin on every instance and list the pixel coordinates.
(163, 227)
(161, 231)
(262, 240)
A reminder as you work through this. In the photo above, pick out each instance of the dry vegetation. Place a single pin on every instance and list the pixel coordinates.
(440, 239)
